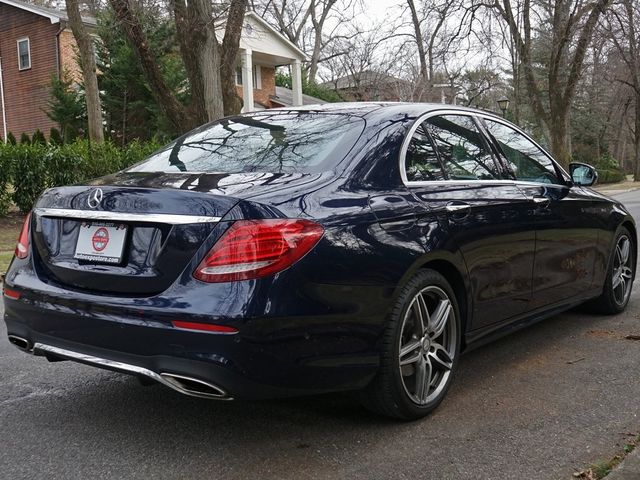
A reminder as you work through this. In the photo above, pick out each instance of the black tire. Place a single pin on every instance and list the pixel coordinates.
(610, 302)
(390, 393)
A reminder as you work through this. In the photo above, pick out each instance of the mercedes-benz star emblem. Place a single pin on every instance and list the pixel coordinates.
(95, 198)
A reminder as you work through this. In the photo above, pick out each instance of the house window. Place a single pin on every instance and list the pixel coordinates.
(256, 77)
(24, 54)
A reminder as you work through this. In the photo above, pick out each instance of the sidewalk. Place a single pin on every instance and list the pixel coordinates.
(620, 187)
(629, 469)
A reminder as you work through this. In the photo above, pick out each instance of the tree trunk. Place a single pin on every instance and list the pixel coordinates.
(422, 55)
(636, 142)
(229, 58)
(88, 66)
(560, 139)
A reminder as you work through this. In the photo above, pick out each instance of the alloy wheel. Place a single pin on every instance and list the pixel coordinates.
(622, 276)
(427, 345)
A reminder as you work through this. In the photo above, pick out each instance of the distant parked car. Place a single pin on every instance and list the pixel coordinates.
(325, 248)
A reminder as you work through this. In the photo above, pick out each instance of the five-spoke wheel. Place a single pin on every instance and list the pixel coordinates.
(420, 353)
(427, 344)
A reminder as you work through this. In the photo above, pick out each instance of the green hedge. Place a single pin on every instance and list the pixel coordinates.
(610, 176)
(26, 169)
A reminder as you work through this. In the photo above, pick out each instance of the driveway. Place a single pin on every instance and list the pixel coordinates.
(537, 405)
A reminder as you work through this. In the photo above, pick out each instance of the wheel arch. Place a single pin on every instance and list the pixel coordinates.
(452, 267)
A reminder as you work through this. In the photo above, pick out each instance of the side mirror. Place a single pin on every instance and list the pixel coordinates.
(583, 175)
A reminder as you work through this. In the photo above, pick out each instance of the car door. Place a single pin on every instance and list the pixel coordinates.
(450, 169)
(566, 226)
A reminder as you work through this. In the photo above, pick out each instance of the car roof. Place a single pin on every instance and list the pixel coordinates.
(365, 108)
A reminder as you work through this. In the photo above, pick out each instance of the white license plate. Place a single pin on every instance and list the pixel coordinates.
(101, 242)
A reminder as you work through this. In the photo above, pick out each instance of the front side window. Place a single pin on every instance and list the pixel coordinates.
(24, 54)
(462, 149)
(273, 141)
(526, 161)
(421, 161)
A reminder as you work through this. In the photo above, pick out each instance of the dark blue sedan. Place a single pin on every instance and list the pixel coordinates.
(288, 252)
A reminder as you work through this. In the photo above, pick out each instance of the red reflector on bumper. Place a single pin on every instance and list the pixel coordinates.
(203, 327)
(11, 294)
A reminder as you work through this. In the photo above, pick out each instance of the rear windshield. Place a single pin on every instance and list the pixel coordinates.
(279, 142)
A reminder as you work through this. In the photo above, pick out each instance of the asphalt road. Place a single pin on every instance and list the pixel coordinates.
(535, 405)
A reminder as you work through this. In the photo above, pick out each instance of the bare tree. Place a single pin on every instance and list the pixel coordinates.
(624, 22)
(312, 25)
(88, 67)
(572, 24)
(206, 60)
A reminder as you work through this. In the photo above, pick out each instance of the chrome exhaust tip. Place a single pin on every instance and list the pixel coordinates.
(194, 387)
(22, 343)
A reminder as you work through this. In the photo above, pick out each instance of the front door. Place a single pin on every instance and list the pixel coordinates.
(566, 225)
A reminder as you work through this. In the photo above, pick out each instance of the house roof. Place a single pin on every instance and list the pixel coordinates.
(366, 78)
(284, 96)
(55, 16)
(260, 37)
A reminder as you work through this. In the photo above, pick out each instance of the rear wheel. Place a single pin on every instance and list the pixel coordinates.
(617, 286)
(420, 350)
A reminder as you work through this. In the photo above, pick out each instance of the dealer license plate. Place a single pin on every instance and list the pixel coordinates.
(101, 242)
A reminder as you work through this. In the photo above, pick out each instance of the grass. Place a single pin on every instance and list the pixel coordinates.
(602, 468)
(9, 231)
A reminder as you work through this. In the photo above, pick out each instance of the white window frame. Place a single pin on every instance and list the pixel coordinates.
(18, 42)
(257, 77)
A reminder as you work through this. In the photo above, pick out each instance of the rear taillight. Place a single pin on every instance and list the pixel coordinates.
(22, 247)
(258, 248)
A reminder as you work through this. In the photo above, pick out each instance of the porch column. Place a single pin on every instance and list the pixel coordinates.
(247, 80)
(296, 82)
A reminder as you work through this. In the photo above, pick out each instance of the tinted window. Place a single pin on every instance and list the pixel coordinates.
(422, 162)
(276, 142)
(525, 159)
(462, 150)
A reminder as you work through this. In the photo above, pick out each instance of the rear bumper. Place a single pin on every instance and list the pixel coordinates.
(270, 357)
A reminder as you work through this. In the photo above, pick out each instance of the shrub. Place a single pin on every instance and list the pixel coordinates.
(6, 169)
(55, 138)
(11, 139)
(32, 167)
(38, 138)
(29, 174)
(25, 139)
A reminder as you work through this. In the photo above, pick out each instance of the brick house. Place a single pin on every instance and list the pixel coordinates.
(35, 43)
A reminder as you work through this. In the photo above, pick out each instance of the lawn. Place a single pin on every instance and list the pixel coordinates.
(9, 230)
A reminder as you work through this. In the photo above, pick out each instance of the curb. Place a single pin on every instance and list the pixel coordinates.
(629, 469)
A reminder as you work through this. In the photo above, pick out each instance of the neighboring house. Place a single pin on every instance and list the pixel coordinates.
(369, 85)
(35, 43)
(262, 50)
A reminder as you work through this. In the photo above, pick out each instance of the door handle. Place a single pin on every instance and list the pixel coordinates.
(541, 201)
(458, 208)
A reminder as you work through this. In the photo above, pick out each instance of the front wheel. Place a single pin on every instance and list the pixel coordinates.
(420, 350)
(617, 287)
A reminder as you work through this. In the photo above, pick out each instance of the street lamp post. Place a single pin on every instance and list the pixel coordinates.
(503, 103)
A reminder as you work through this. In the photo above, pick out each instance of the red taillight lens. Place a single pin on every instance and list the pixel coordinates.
(258, 248)
(22, 247)
(204, 327)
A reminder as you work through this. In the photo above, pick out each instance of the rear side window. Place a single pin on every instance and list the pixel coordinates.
(422, 162)
(278, 142)
(526, 161)
(462, 149)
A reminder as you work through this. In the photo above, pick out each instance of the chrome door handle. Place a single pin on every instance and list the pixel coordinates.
(457, 207)
(541, 201)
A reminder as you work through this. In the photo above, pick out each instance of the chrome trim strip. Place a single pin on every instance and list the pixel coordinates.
(124, 217)
(42, 348)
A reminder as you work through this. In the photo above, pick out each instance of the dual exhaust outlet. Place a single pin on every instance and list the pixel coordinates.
(180, 383)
